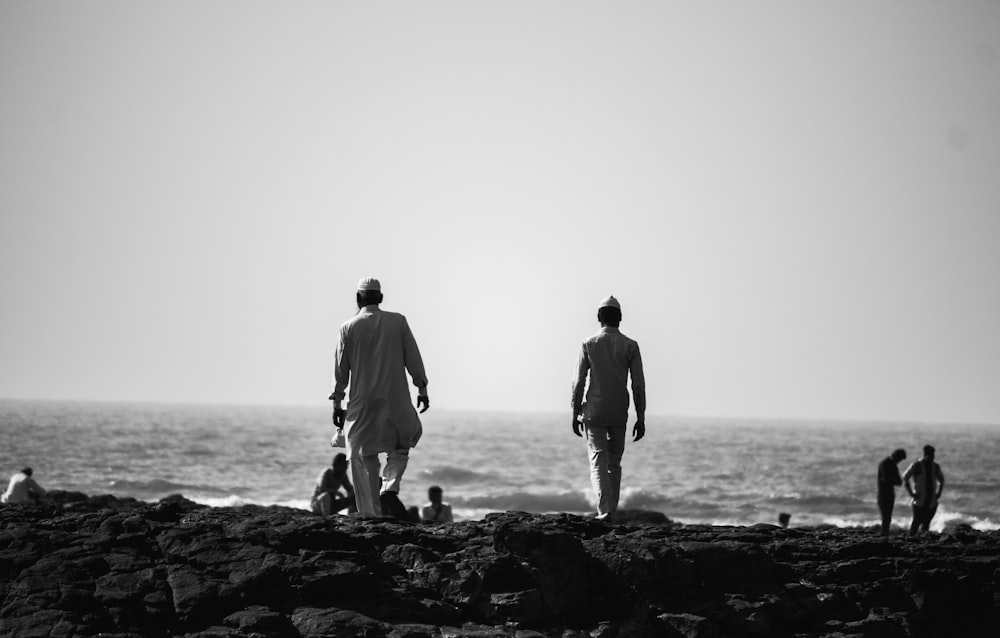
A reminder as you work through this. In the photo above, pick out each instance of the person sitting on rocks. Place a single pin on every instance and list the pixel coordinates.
(327, 498)
(928, 483)
(436, 510)
(22, 488)
(887, 479)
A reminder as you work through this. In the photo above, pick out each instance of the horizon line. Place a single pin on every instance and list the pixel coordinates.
(813, 420)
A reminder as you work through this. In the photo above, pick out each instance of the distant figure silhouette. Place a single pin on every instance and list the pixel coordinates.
(784, 519)
(436, 510)
(375, 350)
(928, 483)
(327, 498)
(608, 358)
(887, 479)
(22, 488)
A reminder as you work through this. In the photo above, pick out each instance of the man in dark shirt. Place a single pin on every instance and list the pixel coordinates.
(888, 478)
(608, 358)
(327, 498)
(928, 483)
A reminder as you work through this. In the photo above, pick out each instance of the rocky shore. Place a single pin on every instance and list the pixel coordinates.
(99, 565)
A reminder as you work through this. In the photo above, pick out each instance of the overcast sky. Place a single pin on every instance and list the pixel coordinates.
(798, 204)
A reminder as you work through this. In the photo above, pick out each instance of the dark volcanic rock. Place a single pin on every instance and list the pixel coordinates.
(77, 565)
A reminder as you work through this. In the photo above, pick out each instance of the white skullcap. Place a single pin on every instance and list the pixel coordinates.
(369, 284)
(610, 302)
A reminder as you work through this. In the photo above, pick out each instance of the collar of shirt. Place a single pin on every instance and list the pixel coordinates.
(370, 308)
(610, 330)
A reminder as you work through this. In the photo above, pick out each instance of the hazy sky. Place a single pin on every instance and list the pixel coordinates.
(797, 203)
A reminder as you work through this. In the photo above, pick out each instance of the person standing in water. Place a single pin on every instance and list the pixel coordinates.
(375, 350)
(888, 479)
(607, 359)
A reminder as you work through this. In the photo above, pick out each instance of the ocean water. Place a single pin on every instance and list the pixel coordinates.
(694, 470)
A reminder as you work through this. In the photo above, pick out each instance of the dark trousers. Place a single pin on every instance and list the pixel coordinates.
(922, 518)
(886, 501)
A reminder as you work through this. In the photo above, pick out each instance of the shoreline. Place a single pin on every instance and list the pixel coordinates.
(945, 521)
(122, 567)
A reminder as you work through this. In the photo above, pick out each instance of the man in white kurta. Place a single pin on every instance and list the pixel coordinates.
(375, 351)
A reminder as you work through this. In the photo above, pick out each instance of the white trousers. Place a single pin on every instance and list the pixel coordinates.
(368, 484)
(606, 446)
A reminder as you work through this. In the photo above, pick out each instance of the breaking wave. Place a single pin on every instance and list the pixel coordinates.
(449, 475)
(160, 486)
(821, 502)
(526, 502)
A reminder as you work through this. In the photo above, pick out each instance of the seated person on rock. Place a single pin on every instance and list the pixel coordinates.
(436, 510)
(327, 498)
(23, 488)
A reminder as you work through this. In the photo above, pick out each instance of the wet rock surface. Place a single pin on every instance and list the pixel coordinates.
(87, 566)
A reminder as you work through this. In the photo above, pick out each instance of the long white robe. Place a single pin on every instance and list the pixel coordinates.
(375, 351)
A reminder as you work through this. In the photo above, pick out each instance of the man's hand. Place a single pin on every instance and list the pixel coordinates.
(577, 425)
(639, 430)
(339, 415)
(425, 400)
